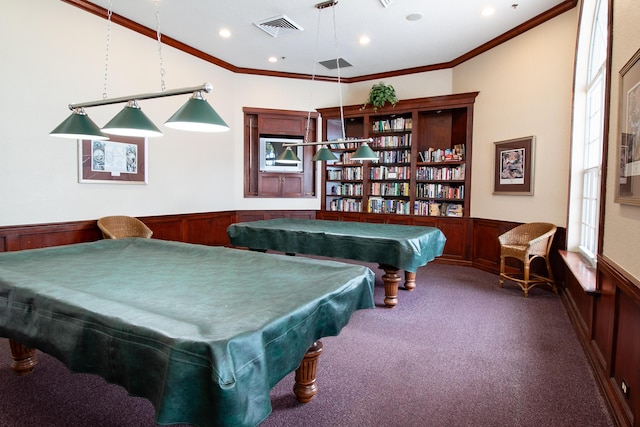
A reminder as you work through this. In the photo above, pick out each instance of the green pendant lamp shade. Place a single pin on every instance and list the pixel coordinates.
(364, 152)
(324, 154)
(78, 126)
(288, 157)
(131, 121)
(198, 116)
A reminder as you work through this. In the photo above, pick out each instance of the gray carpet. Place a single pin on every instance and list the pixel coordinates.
(457, 351)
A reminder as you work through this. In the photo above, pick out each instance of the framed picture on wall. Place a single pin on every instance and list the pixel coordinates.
(628, 176)
(513, 164)
(122, 160)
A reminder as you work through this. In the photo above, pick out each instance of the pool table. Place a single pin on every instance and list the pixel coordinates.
(394, 247)
(203, 332)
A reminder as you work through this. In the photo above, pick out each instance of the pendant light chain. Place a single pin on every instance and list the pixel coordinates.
(313, 77)
(335, 37)
(159, 38)
(106, 55)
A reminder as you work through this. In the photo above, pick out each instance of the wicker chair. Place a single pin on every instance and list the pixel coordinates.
(527, 242)
(120, 226)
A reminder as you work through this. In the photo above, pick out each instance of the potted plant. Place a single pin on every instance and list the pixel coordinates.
(380, 94)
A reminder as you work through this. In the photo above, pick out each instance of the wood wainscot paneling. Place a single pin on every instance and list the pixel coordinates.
(579, 293)
(486, 247)
(245, 216)
(616, 339)
(200, 228)
(340, 216)
(16, 238)
(459, 234)
(606, 316)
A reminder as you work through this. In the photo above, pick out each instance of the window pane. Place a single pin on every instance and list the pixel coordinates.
(590, 203)
(594, 128)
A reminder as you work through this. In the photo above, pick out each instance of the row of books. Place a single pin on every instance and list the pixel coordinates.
(379, 205)
(346, 205)
(440, 173)
(439, 191)
(396, 156)
(344, 144)
(390, 188)
(345, 158)
(389, 172)
(439, 155)
(395, 124)
(346, 189)
(347, 173)
(437, 209)
(392, 141)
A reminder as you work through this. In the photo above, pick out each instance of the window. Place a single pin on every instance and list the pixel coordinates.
(589, 129)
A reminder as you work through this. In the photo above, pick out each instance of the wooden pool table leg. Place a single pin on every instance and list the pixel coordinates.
(306, 386)
(409, 280)
(24, 358)
(390, 280)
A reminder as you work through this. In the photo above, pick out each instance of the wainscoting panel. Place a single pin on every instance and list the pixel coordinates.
(608, 325)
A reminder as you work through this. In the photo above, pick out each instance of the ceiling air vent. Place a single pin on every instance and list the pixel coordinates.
(332, 64)
(278, 26)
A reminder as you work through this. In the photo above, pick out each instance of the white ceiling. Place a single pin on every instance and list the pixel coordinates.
(447, 30)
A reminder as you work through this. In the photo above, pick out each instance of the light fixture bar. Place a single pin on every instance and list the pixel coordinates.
(335, 141)
(206, 87)
(385, 3)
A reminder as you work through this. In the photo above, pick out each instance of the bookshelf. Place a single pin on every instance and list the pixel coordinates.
(424, 150)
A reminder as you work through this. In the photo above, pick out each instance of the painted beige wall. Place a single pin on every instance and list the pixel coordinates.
(525, 90)
(52, 62)
(622, 222)
(524, 85)
(56, 62)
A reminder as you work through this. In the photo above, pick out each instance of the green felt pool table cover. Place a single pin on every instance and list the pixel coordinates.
(203, 332)
(405, 247)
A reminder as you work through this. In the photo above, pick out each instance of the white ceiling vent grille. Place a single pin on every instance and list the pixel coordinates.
(278, 26)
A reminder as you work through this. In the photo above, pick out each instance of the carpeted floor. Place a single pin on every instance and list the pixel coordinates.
(457, 351)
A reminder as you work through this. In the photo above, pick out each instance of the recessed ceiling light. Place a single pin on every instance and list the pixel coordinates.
(414, 17)
(224, 33)
(488, 11)
(364, 40)
(273, 59)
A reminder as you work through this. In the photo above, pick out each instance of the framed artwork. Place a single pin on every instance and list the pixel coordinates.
(122, 160)
(628, 176)
(513, 166)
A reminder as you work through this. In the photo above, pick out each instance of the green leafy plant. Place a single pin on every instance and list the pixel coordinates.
(380, 94)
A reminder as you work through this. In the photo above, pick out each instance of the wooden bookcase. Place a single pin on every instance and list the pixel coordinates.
(424, 146)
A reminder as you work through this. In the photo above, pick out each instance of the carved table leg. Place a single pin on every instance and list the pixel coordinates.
(306, 387)
(24, 358)
(409, 280)
(391, 280)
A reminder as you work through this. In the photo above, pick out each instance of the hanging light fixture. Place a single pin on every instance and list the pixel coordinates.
(131, 121)
(364, 152)
(288, 156)
(196, 115)
(324, 154)
(78, 126)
